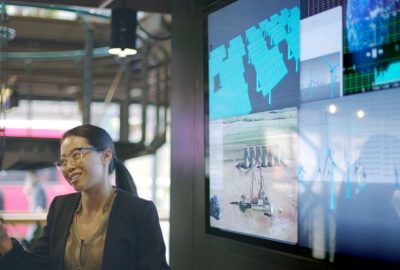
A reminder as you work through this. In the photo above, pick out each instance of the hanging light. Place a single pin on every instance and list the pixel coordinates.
(123, 31)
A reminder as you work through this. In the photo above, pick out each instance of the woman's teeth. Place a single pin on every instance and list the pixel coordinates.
(74, 178)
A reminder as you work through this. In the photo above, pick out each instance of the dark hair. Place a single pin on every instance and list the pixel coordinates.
(99, 138)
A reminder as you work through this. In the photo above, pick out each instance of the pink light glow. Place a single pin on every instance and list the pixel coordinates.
(33, 133)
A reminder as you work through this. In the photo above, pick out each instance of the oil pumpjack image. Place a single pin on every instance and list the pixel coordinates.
(255, 159)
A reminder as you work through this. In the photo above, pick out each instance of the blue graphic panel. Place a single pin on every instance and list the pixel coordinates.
(371, 46)
(269, 65)
(275, 27)
(392, 74)
(293, 36)
(232, 88)
(253, 64)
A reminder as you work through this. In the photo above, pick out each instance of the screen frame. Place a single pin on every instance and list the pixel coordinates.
(292, 250)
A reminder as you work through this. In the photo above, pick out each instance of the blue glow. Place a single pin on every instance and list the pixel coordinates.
(293, 36)
(331, 181)
(228, 88)
(392, 74)
(275, 27)
(348, 184)
(367, 23)
(231, 97)
(269, 65)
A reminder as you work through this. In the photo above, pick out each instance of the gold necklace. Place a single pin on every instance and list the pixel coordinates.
(109, 200)
(98, 219)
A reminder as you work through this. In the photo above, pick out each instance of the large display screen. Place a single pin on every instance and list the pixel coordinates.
(303, 126)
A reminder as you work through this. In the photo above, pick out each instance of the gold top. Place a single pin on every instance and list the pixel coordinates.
(86, 251)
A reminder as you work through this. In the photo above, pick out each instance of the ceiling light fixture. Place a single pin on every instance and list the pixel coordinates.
(123, 31)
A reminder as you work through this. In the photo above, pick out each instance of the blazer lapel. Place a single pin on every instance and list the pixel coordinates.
(62, 226)
(108, 253)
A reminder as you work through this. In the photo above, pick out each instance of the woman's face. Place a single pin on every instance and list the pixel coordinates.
(83, 169)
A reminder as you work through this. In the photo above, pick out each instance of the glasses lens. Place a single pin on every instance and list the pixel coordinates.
(75, 156)
(60, 164)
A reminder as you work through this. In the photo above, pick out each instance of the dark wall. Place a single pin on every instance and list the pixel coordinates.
(190, 247)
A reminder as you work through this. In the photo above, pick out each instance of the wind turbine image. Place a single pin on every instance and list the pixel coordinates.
(329, 165)
(332, 72)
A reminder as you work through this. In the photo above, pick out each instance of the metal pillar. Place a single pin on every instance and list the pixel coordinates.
(87, 72)
(124, 110)
(154, 178)
(158, 93)
(145, 90)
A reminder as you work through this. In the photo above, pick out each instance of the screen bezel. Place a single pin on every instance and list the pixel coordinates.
(292, 250)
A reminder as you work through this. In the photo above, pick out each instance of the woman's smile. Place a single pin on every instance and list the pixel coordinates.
(74, 177)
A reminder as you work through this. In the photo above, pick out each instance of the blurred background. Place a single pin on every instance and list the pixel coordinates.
(56, 72)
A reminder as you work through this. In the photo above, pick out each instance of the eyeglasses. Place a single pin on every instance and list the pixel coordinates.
(74, 157)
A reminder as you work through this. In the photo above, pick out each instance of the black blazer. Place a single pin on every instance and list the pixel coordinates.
(133, 239)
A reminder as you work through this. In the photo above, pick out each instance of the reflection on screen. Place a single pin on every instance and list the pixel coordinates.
(349, 175)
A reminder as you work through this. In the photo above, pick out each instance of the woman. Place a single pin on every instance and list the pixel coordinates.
(99, 227)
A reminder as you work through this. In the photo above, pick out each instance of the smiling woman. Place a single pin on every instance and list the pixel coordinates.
(98, 227)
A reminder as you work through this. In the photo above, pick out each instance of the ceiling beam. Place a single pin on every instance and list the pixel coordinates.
(157, 6)
(86, 3)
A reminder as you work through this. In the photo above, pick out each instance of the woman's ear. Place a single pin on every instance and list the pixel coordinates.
(107, 155)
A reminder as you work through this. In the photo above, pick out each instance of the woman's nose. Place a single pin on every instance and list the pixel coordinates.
(70, 166)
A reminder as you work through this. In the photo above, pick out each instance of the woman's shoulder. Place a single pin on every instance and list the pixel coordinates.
(71, 198)
(66, 197)
(129, 197)
(133, 203)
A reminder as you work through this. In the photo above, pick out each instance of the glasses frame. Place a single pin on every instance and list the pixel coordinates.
(68, 158)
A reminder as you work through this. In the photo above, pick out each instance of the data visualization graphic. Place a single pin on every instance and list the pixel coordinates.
(372, 46)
